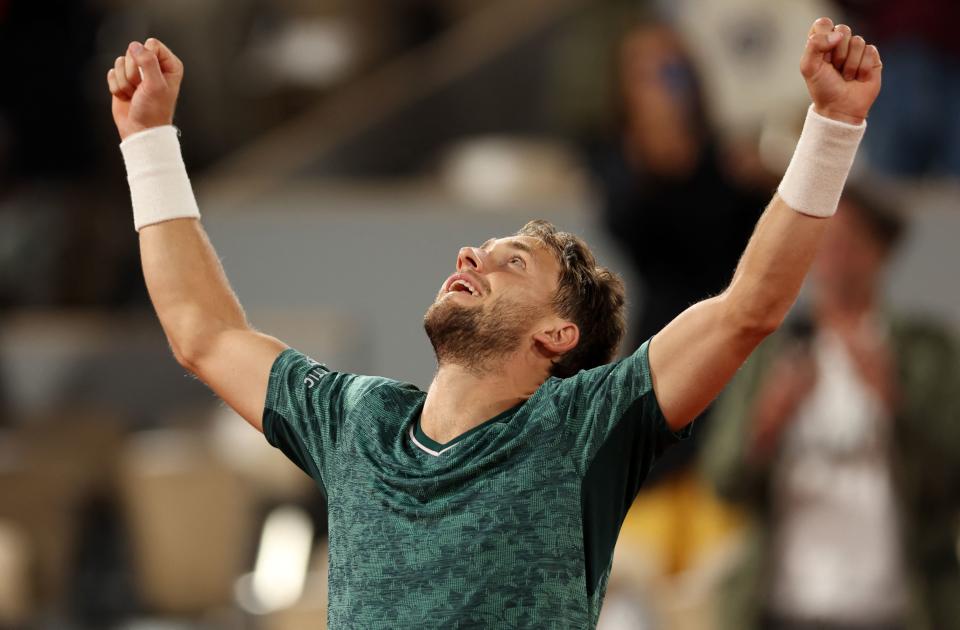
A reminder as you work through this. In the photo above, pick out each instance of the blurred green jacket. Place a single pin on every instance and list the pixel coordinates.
(925, 455)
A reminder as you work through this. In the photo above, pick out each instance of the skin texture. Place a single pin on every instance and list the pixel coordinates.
(691, 359)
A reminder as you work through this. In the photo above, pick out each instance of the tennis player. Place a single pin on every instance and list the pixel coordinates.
(493, 499)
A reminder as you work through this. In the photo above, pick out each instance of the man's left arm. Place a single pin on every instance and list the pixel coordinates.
(694, 356)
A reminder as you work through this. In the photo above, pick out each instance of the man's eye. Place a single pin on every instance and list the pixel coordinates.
(516, 260)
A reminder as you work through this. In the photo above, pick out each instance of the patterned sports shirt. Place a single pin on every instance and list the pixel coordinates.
(510, 525)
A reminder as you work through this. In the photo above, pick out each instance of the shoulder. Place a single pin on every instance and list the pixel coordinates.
(377, 395)
(385, 388)
(620, 381)
(293, 370)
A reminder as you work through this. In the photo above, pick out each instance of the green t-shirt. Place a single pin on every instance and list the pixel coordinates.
(510, 525)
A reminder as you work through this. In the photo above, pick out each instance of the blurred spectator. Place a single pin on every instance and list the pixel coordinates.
(841, 437)
(914, 129)
(671, 199)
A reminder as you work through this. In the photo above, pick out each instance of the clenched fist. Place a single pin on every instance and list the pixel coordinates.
(144, 83)
(841, 70)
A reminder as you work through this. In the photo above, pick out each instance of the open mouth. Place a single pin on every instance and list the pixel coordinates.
(460, 284)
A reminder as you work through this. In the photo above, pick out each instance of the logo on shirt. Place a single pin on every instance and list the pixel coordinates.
(316, 372)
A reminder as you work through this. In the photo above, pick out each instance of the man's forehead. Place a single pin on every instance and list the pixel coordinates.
(527, 244)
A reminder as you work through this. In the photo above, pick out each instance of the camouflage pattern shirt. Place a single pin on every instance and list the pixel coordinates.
(510, 525)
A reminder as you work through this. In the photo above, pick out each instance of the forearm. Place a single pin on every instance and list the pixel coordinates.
(788, 235)
(694, 357)
(188, 287)
(184, 277)
(773, 267)
(724, 330)
(698, 352)
(198, 311)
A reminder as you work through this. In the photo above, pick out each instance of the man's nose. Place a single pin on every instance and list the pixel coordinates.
(471, 258)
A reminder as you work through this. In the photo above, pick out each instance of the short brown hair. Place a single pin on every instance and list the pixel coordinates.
(589, 295)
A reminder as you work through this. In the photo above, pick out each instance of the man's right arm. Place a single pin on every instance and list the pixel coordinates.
(202, 318)
(200, 314)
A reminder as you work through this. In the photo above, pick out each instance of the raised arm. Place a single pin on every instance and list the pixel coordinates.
(694, 356)
(200, 314)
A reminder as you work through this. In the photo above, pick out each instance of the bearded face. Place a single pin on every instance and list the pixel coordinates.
(476, 335)
(490, 307)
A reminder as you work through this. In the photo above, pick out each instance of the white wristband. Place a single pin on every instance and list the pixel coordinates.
(820, 165)
(159, 187)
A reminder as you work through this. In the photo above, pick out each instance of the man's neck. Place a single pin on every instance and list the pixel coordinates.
(460, 399)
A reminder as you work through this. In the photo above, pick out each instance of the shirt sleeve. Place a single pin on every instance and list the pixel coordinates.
(305, 409)
(614, 406)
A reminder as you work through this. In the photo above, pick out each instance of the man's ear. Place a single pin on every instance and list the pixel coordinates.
(560, 338)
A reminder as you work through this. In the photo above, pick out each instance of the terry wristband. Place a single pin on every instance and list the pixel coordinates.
(820, 165)
(159, 187)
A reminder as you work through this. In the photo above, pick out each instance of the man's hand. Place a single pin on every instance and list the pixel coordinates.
(144, 83)
(842, 72)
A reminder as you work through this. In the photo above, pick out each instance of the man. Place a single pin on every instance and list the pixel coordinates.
(840, 436)
(494, 498)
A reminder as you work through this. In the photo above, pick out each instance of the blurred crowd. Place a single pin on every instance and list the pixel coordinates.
(820, 491)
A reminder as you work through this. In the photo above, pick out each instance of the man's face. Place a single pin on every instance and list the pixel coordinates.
(494, 302)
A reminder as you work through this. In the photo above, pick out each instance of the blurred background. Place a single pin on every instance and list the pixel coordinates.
(350, 148)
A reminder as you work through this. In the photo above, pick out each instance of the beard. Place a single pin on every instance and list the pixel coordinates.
(475, 336)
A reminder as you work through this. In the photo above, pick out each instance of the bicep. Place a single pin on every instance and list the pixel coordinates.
(236, 366)
(693, 358)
